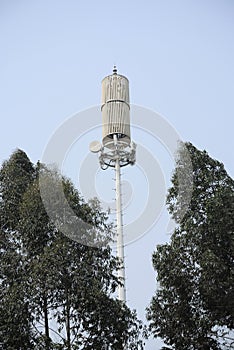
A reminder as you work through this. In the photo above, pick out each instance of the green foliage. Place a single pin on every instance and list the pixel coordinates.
(57, 293)
(15, 176)
(195, 300)
(15, 317)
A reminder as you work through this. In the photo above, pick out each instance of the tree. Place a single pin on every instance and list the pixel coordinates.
(71, 283)
(52, 284)
(15, 318)
(15, 176)
(194, 305)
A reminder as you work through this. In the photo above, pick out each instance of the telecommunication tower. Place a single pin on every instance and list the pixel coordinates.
(117, 149)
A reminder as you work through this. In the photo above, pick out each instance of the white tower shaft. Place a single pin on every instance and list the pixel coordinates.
(117, 149)
(119, 224)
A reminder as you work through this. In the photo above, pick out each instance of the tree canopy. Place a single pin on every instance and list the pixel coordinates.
(55, 292)
(194, 306)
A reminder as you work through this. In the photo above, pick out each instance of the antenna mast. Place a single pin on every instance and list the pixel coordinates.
(116, 150)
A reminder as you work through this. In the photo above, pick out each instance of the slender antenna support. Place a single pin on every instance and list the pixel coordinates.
(119, 227)
(117, 149)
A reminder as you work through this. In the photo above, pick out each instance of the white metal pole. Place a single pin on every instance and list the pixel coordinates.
(119, 223)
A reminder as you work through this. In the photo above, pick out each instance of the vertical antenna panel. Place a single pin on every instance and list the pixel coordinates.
(115, 109)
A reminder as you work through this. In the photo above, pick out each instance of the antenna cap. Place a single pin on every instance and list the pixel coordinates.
(114, 70)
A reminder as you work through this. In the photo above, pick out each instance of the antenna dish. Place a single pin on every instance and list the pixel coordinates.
(95, 146)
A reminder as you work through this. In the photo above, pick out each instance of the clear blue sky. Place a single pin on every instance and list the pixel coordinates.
(178, 56)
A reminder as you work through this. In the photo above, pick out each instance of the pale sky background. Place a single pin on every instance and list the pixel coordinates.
(178, 56)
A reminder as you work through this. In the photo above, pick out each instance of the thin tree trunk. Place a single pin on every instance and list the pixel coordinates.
(46, 324)
(68, 326)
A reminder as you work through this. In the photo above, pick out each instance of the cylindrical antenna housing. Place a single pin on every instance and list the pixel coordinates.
(115, 109)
